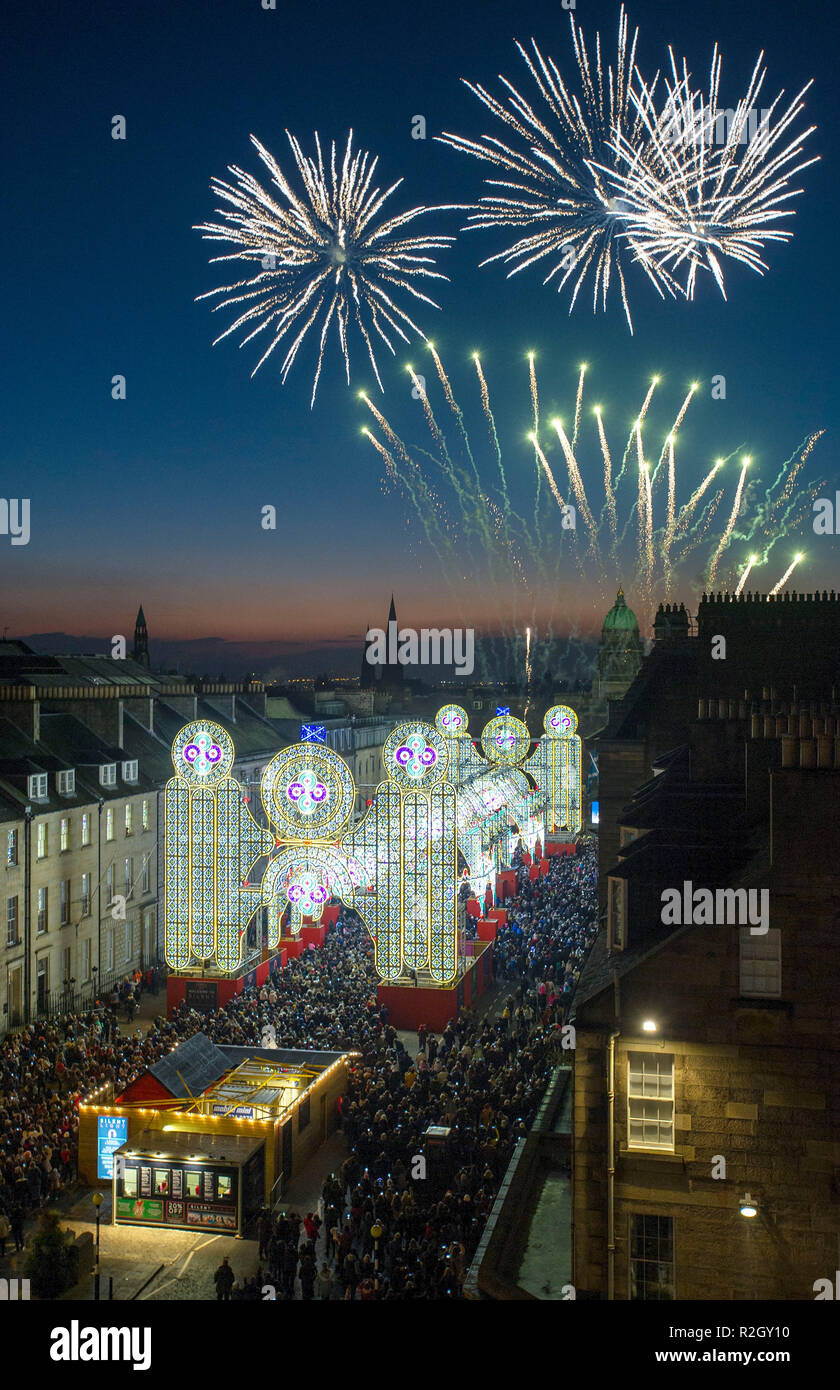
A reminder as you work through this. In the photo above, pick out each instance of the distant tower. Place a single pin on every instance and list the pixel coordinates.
(392, 674)
(621, 651)
(141, 639)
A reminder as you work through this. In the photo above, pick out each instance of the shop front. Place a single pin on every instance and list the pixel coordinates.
(202, 1182)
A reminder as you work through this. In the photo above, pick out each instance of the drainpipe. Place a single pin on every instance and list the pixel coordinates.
(27, 915)
(611, 1144)
(99, 893)
(611, 1166)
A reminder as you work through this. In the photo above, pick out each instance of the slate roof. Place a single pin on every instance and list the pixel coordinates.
(200, 1063)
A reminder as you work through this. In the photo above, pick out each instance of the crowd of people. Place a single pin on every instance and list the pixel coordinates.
(482, 1080)
(551, 923)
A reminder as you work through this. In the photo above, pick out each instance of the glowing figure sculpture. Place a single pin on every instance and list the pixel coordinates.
(407, 841)
(211, 842)
(555, 766)
(308, 792)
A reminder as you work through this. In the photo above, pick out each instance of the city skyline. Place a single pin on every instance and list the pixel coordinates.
(204, 449)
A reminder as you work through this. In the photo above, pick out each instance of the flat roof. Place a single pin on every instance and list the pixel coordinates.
(182, 1144)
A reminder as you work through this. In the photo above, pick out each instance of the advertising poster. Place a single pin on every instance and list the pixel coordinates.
(111, 1133)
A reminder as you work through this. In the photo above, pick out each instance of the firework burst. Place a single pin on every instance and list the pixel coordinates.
(320, 258)
(638, 524)
(699, 183)
(556, 188)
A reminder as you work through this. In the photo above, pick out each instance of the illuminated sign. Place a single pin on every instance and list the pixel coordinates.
(111, 1133)
(595, 811)
(242, 1112)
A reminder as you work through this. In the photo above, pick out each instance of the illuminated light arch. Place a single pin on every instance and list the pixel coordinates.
(308, 792)
(408, 842)
(452, 721)
(211, 843)
(303, 878)
(556, 767)
(505, 740)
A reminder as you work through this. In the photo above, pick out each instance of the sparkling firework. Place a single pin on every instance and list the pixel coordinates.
(705, 183)
(628, 526)
(556, 185)
(321, 257)
(612, 173)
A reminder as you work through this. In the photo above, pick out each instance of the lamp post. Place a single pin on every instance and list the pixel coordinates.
(98, 1199)
(376, 1232)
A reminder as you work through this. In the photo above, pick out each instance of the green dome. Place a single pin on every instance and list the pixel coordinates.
(621, 618)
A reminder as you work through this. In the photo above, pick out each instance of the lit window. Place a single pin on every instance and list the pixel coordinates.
(650, 1101)
(129, 818)
(129, 771)
(43, 909)
(86, 959)
(108, 775)
(11, 921)
(129, 874)
(38, 786)
(146, 873)
(43, 840)
(109, 823)
(651, 1257)
(67, 783)
(85, 829)
(12, 847)
(85, 895)
(64, 837)
(145, 815)
(65, 902)
(761, 964)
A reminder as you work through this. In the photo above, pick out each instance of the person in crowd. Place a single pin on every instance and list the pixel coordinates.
(224, 1280)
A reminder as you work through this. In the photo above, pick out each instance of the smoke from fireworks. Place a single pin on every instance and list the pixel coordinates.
(323, 258)
(639, 525)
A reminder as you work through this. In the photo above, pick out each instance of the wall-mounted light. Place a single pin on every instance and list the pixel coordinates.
(648, 1026)
(747, 1206)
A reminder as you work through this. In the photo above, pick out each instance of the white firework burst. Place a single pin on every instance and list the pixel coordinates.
(558, 190)
(706, 183)
(323, 257)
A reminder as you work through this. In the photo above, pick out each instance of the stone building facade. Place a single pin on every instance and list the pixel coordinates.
(707, 1061)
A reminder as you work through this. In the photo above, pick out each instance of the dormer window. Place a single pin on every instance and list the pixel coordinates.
(67, 782)
(38, 786)
(129, 771)
(108, 775)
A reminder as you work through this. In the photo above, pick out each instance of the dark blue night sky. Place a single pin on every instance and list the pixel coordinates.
(158, 498)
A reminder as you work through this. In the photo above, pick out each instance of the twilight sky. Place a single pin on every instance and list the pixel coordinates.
(157, 498)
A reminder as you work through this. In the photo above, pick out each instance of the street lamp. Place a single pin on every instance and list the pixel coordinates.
(376, 1232)
(98, 1199)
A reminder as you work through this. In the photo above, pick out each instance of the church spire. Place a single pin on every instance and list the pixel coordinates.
(141, 639)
